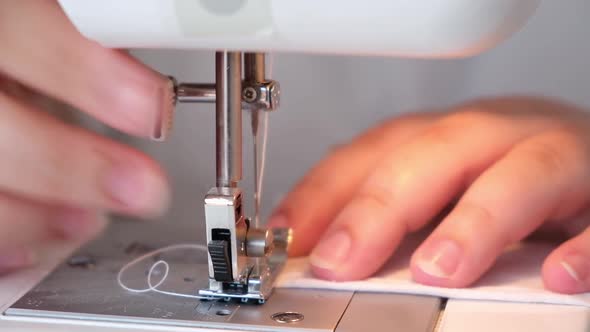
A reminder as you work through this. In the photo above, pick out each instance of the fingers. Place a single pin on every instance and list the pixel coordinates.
(506, 203)
(24, 223)
(408, 188)
(43, 50)
(312, 204)
(567, 269)
(58, 164)
(78, 224)
(12, 259)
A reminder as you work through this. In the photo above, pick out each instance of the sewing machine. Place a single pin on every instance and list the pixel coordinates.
(243, 259)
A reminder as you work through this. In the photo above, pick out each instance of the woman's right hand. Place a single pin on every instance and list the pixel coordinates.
(54, 176)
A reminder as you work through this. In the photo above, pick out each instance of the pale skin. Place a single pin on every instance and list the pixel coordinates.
(506, 167)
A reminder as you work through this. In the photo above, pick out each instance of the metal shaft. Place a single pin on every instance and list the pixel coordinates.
(196, 93)
(228, 107)
(254, 67)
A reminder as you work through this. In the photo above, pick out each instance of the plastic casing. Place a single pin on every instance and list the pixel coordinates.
(403, 28)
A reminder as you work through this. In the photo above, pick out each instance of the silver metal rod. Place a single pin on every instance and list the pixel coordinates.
(228, 109)
(254, 67)
(195, 93)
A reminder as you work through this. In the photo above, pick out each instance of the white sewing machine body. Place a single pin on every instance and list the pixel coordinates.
(73, 296)
(436, 28)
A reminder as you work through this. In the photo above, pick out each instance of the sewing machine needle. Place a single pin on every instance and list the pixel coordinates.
(255, 122)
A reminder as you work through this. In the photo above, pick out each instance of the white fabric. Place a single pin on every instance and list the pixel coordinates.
(516, 277)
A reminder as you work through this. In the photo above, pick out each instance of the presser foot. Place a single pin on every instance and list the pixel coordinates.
(256, 282)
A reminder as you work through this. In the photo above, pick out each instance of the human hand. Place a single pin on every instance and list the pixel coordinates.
(54, 176)
(506, 167)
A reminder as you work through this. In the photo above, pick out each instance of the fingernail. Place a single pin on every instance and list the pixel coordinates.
(164, 116)
(278, 221)
(142, 97)
(576, 266)
(332, 252)
(136, 189)
(11, 259)
(79, 224)
(439, 258)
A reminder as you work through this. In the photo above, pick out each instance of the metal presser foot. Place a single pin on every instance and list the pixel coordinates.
(243, 260)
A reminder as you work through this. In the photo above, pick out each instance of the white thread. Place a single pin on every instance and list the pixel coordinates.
(260, 172)
(263, 154)
(151, 286)
(256, 174)
(264, 135)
